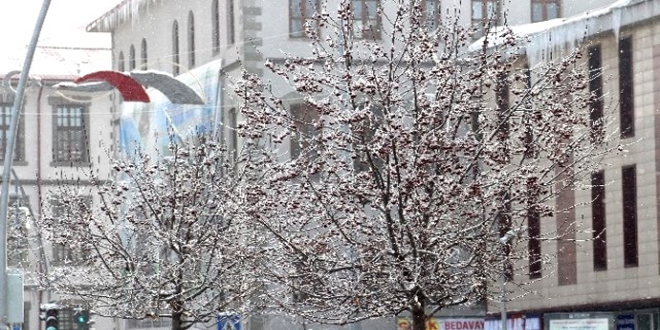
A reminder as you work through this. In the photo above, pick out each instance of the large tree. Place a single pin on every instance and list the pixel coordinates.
(401, 176)
(159, 241)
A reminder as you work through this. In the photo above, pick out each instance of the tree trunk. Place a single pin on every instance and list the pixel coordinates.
(418, 318)
(176, 320)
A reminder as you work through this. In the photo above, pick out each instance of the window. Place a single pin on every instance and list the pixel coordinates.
(431, 13)
(121, 62)
(502, 101)
(366, 19)
(534, 228)
(143, 53)
(230, 21)
(175, 48)
(63, 253)
(233, 133)
(5, 122)
(191, 40)
(300, 11)
(304, 117)
(598, 223)
(215, 21)
(534, 243)
(626, 106)
(131, 59)
(543, 10)
(70, 132)
(629, 190)
(485, 12)
(596, 90)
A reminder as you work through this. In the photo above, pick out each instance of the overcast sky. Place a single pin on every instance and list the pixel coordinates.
(64, 18)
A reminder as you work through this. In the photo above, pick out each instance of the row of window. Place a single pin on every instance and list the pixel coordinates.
(176, 52)
(366, 24)
(628, 174)
(70, 134)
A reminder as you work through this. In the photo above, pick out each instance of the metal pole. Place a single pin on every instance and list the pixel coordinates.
(503, 300)
(9, 154)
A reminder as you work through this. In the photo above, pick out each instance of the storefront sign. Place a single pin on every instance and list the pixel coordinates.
(625, 322)
(579, 324)
(404, 323)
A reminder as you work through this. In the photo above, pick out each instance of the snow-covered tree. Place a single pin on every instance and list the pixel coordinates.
(402, 176)
(159, 241)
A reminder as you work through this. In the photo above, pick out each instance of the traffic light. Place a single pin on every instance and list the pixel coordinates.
(82, 319)
(51, 319)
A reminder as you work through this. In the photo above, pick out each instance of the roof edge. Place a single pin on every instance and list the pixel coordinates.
(127, 10)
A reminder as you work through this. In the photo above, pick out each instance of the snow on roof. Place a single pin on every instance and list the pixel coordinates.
(127, 10)
(555, 35)
(58, 63)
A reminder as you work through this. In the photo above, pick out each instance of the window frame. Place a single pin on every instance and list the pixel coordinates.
(176, 52)
(191, 40)
(121, 62)
(626, 88)
(484, 19)
(305, 15)
(595, 73)
(231, 31)
(143, 54)
(437, 14)
(60, 253)
(131, 58)
(629, 207)
(599, 221)
(303, 116)
(215, 22)
(19, 148)
(371, 33)
(85, 159)
(544, 9)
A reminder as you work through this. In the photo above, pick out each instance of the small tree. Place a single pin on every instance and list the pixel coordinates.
(160, 241)
(414, 163)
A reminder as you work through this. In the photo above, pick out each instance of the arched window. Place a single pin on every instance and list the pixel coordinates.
(175, 48)
(231, 36)
(215, 19)
(120, 62)
(131, 59)
(191, 40)
(143, 53)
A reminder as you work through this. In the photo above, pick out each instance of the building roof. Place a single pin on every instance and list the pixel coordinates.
(558, 34)
(57, 63)
(127, 10)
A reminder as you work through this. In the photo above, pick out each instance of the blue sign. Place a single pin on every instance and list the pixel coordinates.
(625, 322)
(229, 322)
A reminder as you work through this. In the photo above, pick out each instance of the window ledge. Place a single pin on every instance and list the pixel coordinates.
(70, 164)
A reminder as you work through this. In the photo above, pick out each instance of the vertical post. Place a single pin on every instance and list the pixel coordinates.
(9, 154)
(503, 300)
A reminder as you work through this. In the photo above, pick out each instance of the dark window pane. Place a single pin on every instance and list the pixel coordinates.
(598, 220)
(596, 89)
(627, 111)
(629, 189)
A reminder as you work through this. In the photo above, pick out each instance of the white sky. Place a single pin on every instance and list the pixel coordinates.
(64, 22)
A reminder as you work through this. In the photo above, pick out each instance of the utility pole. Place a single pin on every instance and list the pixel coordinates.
(9, 155)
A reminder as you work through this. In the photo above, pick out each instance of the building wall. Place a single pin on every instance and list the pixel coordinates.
(618, 286)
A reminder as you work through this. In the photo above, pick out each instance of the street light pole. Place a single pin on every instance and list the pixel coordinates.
(9, 154)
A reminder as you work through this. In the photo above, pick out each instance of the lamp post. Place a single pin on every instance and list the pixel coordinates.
(504, 240)
(9, 154)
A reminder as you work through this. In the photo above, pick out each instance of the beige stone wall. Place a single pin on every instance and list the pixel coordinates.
(617, 283)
